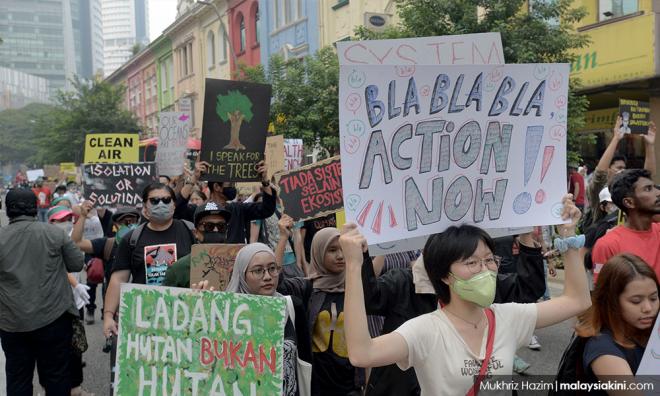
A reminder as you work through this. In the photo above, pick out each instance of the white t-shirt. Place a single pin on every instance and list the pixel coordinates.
(442, 360)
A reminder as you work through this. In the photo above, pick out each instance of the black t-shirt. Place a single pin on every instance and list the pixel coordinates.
(154, 252)
(333, 373)
(313, 226)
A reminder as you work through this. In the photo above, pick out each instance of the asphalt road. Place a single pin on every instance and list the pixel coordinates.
(97, 371)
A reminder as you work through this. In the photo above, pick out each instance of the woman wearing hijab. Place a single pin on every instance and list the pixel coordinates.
(256, 272)
(323, 292)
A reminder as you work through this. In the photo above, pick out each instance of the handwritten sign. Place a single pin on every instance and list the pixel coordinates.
(635, 116)
(34, 174)
(472, 144)
(213, 262)
(313, 190)
(118, 184)
(293, 154)
(176, 341)
(112, 148)
(464, 49)
(650, 364)
(173, 128)
(275, 154)
(234, 129)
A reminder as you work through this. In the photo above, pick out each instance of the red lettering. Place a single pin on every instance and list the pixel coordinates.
(272, 363)
(205, 353)
(223, 355)
(249, 356)
(346, 55)
(398, 52)
(318, 172)
(437, 50)
(234, 348)
(380, 59)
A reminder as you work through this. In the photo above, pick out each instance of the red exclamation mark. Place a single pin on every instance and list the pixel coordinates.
(392, 217)
(362, 217)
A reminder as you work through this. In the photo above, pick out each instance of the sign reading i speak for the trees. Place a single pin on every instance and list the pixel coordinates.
(234, 129)
(313, 190)
(175, 341)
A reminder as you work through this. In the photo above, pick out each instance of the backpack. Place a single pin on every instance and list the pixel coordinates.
(137, 233)
(570, 368)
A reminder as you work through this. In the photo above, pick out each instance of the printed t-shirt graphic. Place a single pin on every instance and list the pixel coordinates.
(157, 259)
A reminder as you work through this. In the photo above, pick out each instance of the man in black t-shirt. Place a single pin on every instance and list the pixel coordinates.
(160, 242)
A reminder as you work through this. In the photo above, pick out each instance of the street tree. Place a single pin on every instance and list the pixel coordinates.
(19, 128)
(94, 106)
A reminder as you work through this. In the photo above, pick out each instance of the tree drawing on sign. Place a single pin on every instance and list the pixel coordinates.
(234, 107)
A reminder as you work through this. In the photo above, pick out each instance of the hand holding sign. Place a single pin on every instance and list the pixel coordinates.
(285, 225)
(649, 138)
(262, 170)
(569, 212)
(353, 245)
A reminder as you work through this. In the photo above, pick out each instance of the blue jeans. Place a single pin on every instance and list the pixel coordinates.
(546, 295)
(42, 214)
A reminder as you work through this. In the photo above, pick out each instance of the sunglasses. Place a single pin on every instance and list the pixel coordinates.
(156, 201)
(211, 227)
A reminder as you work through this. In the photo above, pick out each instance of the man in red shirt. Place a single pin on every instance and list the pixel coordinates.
(43, 199)
(576, 185)
(635, 193)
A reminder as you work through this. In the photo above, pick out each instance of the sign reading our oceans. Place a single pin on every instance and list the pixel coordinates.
(176, 341)
(429, 147)
(112, 148)
(635, 116)
(313, 190)
(117, 184)
(173, 128)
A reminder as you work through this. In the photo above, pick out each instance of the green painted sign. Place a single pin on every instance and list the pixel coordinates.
(176, 341)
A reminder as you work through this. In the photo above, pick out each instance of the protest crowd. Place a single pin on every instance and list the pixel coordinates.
(290, 288)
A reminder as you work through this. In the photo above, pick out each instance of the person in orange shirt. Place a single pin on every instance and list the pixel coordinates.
(43, 199)
(635, 193)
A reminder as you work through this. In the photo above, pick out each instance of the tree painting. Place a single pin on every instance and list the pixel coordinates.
(234, 107)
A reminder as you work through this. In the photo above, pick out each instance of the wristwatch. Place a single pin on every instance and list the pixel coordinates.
(265, 183)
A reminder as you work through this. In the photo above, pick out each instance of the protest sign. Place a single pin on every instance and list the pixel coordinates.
(176, 341)
(313, 190)
(68, 168)
(470, 144)
(464, 49)
(635, 116)
(274, 154)
(213, 262)
(112, 148)
(173, 129)
(118, 184)
(234, 129)
(650, 364)
(293, 154)
(52, 172)
(34, 174)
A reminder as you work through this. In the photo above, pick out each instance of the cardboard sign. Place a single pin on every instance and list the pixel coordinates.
(173, 128)
(635, 116)
(464, 49)
(175, 341)
(68, 168)
(118, 184)
(275, 154)
(293, 154)
(430, 147)
(213, 262)
(312, 191)
(52, 172)
(34, 174)
(234, 129)
(650, 364)
(112, 148)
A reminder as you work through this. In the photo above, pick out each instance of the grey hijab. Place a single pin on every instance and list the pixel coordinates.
(238, 284)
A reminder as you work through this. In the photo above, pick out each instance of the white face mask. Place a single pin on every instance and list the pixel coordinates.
(66, 226)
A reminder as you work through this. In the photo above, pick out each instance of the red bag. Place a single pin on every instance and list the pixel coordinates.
(95, 271)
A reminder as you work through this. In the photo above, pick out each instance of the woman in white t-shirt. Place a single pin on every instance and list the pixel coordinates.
(447, 347)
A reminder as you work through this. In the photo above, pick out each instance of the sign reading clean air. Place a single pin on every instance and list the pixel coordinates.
(111, 148)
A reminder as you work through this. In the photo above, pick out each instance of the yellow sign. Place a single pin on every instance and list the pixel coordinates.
(341, 219)
(600, 119)
(68, 168)
(613, 57)
(112, 148)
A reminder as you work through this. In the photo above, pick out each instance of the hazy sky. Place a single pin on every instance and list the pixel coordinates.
(161, 14)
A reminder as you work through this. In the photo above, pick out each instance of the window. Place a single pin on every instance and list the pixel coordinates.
(210, 49)
(608, 9)
(223, 45)
(276, 14)
(289, 11)
(256, 24)
(241, 29)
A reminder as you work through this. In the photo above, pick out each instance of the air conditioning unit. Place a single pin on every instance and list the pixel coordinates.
(376, 21)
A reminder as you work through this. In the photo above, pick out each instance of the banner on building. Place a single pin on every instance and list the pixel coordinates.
(471, 144)
(176, 341)
(112, 148)
(312, 191)
(173, 129)
(117, 184)
(293, 154)
(234, 129)
(214, 263)
(635, 116)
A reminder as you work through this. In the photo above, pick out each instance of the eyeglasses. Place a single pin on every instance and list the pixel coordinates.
(156, 201)
(210, 227)
(259, 272)
(474, 265)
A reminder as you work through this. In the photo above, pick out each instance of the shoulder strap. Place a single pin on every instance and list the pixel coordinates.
(191, 229)
(489, 352)
(290, 310)
(107, 248)
(135, 236)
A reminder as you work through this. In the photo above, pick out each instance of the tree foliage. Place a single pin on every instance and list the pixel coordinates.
(542, 33)
(232, 102)
(305, 96)
(92, 106)
(18, 131)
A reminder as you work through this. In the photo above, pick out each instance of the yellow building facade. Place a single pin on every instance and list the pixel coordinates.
(338, 18)
(621, 62)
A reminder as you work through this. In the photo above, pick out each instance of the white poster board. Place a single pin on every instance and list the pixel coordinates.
(478, 144)
(173, 129)
(293, 154)
(34, 174)
(464, 49)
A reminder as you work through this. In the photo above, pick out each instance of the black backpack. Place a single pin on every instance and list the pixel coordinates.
(570, 368)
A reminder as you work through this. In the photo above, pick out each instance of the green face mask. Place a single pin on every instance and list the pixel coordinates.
(122, 231)
(480, 289)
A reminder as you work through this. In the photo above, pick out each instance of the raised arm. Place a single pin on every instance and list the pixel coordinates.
(363, 351)
(285, 224)
(79, 227)
(649, 144)
(576, 298)
(606, 159)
